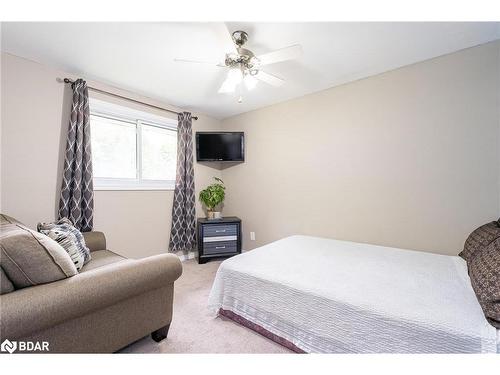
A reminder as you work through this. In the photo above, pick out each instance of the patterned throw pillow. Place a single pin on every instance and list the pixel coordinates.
(70, 238)
(484, 272)
(480, 238)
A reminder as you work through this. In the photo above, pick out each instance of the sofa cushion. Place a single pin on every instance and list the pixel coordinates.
(5, 284)
(102, 258)
(70, 238)
(30, 258)
(484, 272)
(480, 238)
(5, 219)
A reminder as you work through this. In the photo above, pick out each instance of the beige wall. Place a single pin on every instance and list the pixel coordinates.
(35, 113)
(409, 158)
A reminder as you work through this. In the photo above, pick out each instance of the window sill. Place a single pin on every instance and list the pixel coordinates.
(123, 188)
(122, 184)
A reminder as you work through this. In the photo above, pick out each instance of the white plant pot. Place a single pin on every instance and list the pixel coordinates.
(212, 215)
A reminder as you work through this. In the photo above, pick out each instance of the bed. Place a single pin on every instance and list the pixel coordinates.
(318, 295)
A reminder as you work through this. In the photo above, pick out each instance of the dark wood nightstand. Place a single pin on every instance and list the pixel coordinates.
(218, 238)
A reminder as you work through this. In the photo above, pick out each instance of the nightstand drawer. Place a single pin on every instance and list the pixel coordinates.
(220, 238)
(220, 230)
(220, 247)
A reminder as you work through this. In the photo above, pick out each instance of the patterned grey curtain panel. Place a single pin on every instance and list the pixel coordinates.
(183, 231)
(77, 195)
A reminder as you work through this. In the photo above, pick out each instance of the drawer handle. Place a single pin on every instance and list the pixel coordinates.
(220, 247)
(220, 230)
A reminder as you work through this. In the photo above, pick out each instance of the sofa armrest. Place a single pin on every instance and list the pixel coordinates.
(35, 308)
(95, 240)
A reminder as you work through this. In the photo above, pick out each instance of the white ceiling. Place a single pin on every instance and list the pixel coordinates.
(139, 56)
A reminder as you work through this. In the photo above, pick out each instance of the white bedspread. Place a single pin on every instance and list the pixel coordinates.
(328, 296)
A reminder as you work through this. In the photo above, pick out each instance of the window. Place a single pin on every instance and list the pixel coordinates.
(132, 150)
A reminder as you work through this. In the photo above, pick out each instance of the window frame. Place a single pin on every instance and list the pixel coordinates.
(138, 118)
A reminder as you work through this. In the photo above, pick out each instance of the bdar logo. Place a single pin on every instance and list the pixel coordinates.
(8, 346)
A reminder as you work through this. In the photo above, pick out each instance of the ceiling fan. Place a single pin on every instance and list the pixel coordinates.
(244, 67)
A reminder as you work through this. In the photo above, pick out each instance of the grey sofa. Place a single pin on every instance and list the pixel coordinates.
(112, 302)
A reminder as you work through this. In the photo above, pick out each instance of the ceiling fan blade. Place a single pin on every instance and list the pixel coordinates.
(283, 54)
(225, 37)
(269, 78)
(214, 63)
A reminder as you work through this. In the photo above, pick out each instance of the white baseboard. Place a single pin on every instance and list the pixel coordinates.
(192, 255)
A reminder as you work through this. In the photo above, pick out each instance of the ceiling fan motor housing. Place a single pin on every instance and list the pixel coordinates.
(240, 37)
(245, 59)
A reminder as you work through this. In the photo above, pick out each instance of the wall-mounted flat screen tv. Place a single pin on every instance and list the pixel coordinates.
(220, 146)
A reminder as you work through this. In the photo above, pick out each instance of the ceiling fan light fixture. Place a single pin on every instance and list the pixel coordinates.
(235, 76)
(250, 81)
(254, 61)
(227, 87)
(233, 79)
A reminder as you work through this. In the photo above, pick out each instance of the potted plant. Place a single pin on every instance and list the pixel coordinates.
(212, 197)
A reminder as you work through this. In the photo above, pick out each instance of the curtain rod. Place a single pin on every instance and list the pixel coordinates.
(67, 80)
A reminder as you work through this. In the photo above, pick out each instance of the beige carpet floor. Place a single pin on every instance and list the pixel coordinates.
(194, 329)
